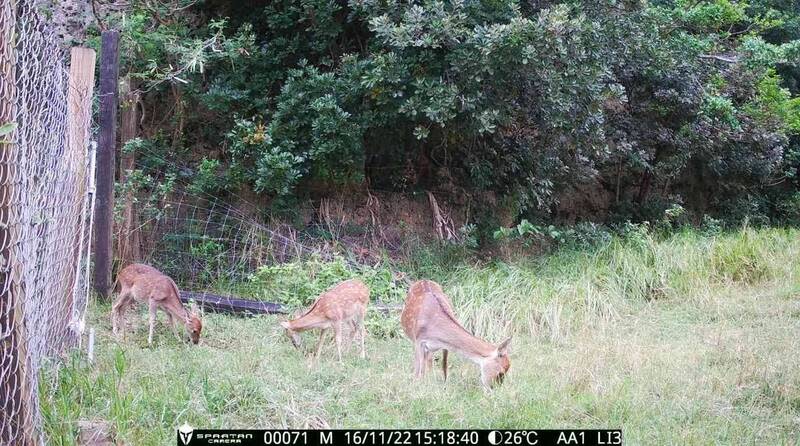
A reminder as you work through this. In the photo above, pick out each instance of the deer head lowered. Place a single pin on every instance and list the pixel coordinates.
(147, 285)
(343, 303)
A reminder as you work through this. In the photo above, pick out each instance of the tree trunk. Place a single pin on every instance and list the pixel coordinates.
(128, 231)
(644, 186)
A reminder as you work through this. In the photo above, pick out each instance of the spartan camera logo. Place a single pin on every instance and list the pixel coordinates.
(185, 432)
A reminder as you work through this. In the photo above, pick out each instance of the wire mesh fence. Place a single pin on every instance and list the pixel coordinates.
(215, 242)
(44, 209)
(206, 243)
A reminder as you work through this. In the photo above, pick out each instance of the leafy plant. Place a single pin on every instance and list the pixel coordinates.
(208, 179)
(298, 284)
(146, 193)
(209, 254)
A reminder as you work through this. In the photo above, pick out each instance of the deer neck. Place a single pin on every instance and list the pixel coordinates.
(453, 336)
(308, 321)
(180, 312)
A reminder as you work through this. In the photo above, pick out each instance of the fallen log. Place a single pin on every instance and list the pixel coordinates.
(386, 308)
(231, 305)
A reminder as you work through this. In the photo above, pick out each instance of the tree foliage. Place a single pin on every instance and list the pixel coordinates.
(657, 103)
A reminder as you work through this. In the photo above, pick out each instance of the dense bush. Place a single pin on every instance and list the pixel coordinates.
(693, 103)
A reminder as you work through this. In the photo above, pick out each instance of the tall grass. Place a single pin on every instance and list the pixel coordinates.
(686, 338)
(549, 296)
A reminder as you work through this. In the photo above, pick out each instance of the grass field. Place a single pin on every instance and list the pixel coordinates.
(688, 339)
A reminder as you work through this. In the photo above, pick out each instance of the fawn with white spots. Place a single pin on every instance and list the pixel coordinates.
(429, 321)
(149, 286)
(341, 304)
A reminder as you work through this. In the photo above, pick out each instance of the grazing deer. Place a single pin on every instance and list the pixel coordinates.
(343, 303)
(428, 320)
(147, 285)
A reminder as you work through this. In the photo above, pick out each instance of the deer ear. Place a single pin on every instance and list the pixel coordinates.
(503, 347)
(285, 324)
(193, 307)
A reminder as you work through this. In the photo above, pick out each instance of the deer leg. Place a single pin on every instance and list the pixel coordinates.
(171, 321)
(353, 332)
(131, 305)
(114, 317)
(428, 360)
(419, 360)
(118, 312)
(363, 337)
(337, 333)
(153, 308)
(319, 343)
(444, 363)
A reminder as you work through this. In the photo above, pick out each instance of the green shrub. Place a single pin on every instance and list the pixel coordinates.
(298, 284)
(524, 100)
(789, 208)
(210, 253)
(384, 325)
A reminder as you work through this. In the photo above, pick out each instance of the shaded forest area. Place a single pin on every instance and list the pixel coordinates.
(506, 111)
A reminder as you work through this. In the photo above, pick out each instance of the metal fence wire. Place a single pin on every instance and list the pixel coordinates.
(45, 208)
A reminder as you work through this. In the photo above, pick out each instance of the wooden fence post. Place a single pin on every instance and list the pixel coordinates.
(104, 204)
(79, 116)
(79, 103)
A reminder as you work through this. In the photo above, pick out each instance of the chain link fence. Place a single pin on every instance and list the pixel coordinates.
(44, 214)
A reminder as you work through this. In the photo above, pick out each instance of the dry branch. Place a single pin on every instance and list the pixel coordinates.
(442, 223)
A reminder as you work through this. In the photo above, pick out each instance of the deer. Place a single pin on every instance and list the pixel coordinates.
(139, 283)
(343, 303)
(429, 321)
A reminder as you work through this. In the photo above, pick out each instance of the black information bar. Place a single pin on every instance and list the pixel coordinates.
(376, 437)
